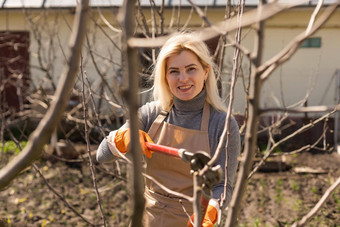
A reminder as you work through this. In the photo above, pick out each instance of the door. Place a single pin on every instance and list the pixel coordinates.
(14, 70)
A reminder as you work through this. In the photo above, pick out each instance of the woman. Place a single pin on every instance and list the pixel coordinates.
(188, 113)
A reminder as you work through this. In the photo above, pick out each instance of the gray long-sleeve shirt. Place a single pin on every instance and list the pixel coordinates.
(188, 114)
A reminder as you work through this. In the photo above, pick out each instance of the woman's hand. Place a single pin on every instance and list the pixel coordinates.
(210, 216)
(122, 141)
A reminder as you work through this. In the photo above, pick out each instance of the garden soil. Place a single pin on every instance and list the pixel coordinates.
(65, 195)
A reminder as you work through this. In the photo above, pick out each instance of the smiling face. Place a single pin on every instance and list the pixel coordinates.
(185, 75)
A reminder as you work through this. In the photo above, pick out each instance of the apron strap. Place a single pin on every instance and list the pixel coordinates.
(205, 117)
(160, 118)
(157, 123)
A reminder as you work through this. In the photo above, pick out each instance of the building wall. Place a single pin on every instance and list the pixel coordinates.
(50, 31)
(308, 71)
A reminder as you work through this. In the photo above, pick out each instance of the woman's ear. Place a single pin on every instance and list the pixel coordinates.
(206, 73)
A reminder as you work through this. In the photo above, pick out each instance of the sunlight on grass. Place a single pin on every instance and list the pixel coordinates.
(11, 147)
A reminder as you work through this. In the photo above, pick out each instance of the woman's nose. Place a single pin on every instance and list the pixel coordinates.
(183, 77)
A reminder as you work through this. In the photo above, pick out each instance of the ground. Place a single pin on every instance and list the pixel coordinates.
(280, 198)
(271, 199)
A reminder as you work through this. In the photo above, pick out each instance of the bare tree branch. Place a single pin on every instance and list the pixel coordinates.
(252, 125)
(304, 109)
(318, 206)
(315, 13)
(171, 192)
(226, 132)
(145, 24)
(129, 91)
(108, 23)
(42, 134)
(306, 147)
(267, 68)
(62, 198)
(249, 18)
(94, 180)
(297, 132)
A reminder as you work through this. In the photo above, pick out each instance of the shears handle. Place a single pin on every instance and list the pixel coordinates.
(164, 149)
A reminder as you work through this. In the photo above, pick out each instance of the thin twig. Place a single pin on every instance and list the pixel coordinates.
(102, 76)
(88, 147)
(297, 132)
(226, 131)
(129, 89)
(107, 22)
(105, 33)
(315, 13)
(94, 105)
(252, 126)
(268, 67)
(41, 134)
(249, 18)
(145, 24)
(304, 148)
(318, 206)
(303, 109)
(109, 173)
(169, 191)
(62, 198)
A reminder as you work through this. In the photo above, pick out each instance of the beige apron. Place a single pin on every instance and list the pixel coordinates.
(161, 208)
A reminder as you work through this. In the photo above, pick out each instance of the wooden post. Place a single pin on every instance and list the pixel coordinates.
(336, 116)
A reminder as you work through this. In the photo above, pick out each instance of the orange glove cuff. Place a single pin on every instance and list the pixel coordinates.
(144, 137)
(210, 216)
(120, 141)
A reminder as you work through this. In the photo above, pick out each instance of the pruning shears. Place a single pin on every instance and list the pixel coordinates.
(197, 161)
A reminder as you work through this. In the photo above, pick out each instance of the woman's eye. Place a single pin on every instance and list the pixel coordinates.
(173, 71)
(191, 69)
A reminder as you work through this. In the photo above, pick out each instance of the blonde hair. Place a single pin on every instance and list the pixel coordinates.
(175, 45)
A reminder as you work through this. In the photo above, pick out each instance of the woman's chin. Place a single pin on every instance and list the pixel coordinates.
(185, 97)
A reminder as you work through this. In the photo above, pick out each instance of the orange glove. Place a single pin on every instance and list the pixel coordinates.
(122, 140)
(210, 216)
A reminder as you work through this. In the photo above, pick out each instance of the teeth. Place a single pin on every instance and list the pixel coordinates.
(185, 87)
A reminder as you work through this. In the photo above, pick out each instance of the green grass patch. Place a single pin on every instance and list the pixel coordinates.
(12, 147)
(276, 150)
(336, 198)
(278, 196)
(314, 190)
(295, 186)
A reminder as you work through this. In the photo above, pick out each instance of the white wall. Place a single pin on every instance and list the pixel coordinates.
(309, 70)
(54, 29)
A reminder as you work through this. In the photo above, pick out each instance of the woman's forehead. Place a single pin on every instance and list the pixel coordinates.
(184, 57)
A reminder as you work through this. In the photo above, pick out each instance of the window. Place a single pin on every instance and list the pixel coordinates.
(314, 42)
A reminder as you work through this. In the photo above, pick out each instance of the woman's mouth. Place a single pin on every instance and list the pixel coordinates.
(184, 87)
